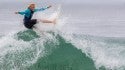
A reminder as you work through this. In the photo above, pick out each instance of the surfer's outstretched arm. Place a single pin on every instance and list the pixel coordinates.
(22, 12)
(42, 9)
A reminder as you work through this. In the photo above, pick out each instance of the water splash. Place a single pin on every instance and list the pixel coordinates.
(56, 14)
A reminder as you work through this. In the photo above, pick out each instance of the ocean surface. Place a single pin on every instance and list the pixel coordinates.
(88, 37)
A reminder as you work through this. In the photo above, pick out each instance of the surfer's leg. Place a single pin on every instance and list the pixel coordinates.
(30, 23)
(48, 21)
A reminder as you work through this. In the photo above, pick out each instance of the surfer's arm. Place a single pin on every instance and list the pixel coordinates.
(23, 12)
(42, 9)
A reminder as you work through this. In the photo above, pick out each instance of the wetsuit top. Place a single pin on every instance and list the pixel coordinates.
(26, 19)
(29, 13)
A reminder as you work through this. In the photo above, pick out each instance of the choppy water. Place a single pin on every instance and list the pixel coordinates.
(87, 38)
(27, 50)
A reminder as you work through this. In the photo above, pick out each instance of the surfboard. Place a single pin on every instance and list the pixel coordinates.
(49, 26)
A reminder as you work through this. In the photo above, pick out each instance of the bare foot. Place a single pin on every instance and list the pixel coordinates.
(54, 21)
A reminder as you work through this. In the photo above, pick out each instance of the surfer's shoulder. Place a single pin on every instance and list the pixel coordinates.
(27, 10)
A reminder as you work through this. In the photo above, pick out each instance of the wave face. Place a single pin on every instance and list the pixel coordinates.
(108, 53)
(30, 50)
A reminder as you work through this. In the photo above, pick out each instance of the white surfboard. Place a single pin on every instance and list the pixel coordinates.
(49, 26)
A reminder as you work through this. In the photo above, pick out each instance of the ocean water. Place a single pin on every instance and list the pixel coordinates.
(87, 37)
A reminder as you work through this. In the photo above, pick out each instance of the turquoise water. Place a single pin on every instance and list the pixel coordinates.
(47, 55)
(64, 57)
(30, 50)
(90, 37)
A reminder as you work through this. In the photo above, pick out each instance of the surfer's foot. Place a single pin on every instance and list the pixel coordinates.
(54, 21)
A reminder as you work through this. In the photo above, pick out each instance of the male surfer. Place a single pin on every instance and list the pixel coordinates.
(28, 13)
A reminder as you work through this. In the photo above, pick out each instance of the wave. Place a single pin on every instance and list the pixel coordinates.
(22, 49)
(28, 50)
(108, 53)
(64, 57)
(31, 50)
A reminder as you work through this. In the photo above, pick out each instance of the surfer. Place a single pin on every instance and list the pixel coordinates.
(28, 13)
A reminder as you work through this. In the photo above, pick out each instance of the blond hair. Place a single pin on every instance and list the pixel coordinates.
(32, 4)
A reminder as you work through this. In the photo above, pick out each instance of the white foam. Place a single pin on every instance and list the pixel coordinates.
(103, 53)
(18, 54)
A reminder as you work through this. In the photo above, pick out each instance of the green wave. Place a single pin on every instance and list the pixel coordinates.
(30, 51)
(27, 35)
(64, 57)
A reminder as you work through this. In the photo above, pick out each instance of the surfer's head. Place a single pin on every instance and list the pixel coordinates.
(31, 6)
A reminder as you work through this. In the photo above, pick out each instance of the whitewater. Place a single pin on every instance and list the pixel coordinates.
(88, 39)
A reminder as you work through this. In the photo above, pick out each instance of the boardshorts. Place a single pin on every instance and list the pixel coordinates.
(30, 23)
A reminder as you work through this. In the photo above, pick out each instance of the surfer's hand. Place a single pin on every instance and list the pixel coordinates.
(49, 6)
(16, 12)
